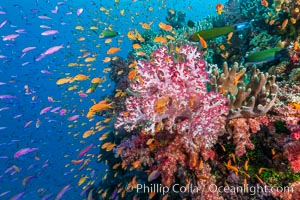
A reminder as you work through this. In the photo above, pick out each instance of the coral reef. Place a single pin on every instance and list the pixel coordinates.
(187, 122)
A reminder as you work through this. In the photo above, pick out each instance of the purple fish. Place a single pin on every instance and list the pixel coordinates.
(4, 108)
(11, 37)
(62, 112)
(25, 63)
(49, 32)
(24, 151)
(85, 150)
(48, 196)
(79, 11)
(44, 110)
(44, 17)
(40, 57)
(44, 26)
(62, 192)
(49, 51)
(83, 192)
(34, 10)
(4, 193)
(3, 23)
(73, 118)
(20, 31)
(55, 109)
(17, 196)
(2, 12)
(28, 49)
(7, 97)
(17, 116)
(2, 56)
(45, 72)
(53, 49)
(114, 194)
(55, 10)
(82, 95)
(2, 83)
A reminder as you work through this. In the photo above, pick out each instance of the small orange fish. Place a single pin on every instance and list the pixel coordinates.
(171, 11)
(219, 8)
(261, 169)
(165, 27)
(88, 133)
(82, 180)
(140, 53)
(89, 59)
(146, 26)
(77, 162)
(131, 35)
(132, 74)
(63, 81)
(136, 46)
(119, 151)
(108, 40)
(232, 168)
(151, 195)
(296, 45)
(273, 152)
(160, 39)
(79, 77)
(116, 165)
(202, 42)
(246, 165)
(170, 37)
(136, 164)
(222, 47)
(113, 50)
(259, 179)
(232, 155)
(264, 3)
(284, 24)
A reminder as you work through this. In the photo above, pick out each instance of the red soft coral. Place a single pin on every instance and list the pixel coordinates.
(240, 130)
(292, 152)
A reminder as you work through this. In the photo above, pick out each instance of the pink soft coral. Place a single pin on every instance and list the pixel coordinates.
(175, 93)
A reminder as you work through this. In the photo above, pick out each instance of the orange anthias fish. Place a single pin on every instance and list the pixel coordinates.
(264, 3)
(165, 27)
(219, 8)
(63, 81)
(102, 105)
(113, 50)
(202, 42)
(160, 39)
(146, 26)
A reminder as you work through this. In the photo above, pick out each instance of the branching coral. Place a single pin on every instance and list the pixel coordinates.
(246, 98)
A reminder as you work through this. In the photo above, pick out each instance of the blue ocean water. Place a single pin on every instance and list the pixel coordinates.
(57, 139)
